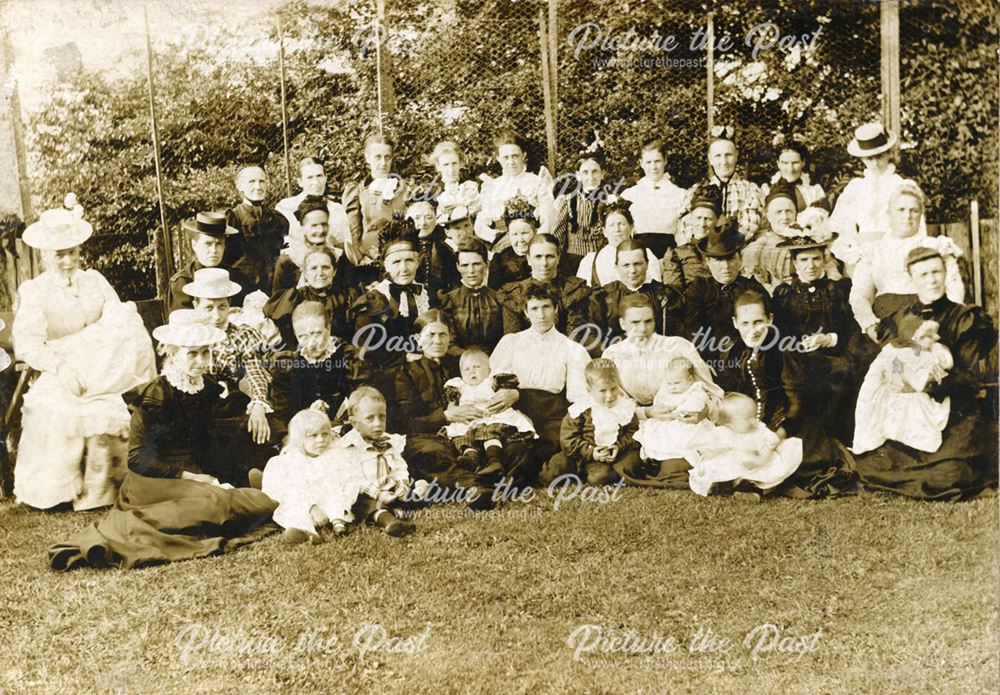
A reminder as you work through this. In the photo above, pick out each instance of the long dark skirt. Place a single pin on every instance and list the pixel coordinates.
(963, 466)
(167, 519)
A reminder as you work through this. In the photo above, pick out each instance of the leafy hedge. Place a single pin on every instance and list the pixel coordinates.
(465, 69)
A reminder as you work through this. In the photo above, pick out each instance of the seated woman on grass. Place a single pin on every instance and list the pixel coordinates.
(168, 507)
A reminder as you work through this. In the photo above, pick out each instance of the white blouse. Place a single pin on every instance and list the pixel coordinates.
(547, 362)
(607, 269)
(861, 215)
(49, 308)
(656, 207)
(641, 366)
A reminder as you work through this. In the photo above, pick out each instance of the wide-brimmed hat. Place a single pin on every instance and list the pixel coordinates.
(211, 283)
(57, 230)
(185, 329)
(211, 223)
(453, 214)
(871, 139)
(803, 241)
(723, 241)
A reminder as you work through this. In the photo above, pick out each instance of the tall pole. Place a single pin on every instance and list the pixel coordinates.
(889, 22)
(710, 71)
(554, 84)
(284, 106)
(164, 261)
(550, 121)
(377, 29)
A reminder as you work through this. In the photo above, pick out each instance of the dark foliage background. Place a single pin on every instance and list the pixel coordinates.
(465, 69)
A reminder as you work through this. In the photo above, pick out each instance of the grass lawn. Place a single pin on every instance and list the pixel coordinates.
(867, 594)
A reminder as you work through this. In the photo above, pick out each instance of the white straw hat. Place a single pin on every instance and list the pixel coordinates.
(185, 329)
(211, 283)
(871, 139)
(56, 230)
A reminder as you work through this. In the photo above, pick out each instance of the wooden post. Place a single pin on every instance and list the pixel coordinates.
(710, 71)
(14, 193)
(550, 125)
(890, 65)
(977, 261)
(284, 107)
(164, 258)
(554, 80)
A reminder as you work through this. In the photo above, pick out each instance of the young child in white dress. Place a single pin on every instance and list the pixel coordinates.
(487, 434)
(689, 401)
(312, 490)
(892, 403)
(742, 449)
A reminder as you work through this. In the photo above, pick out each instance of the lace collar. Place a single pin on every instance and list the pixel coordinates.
(181, 381)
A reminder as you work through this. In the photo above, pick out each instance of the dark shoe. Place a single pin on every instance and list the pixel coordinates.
(483, 502)
(494, 463)
(470, 459)
(392, 526)
(256, 478)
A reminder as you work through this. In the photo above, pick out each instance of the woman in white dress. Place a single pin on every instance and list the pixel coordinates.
(515, 181)
(861, 215)
(70, 325)
(881, 283)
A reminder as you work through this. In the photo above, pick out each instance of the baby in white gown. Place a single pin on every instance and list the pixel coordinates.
(892, 403)
(742, 448)
(689, 401)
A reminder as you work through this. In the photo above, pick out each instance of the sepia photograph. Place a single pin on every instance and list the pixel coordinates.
(499, 346)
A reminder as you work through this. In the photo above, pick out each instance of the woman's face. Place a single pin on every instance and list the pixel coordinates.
(877, 164)
(704, 221)
(64, 262)
(434, 340)
(401, 267)
(208, 249)
(809, 265)
(543, 259)
(929, 279)
(460, 231)
(790, 165)
(511, 159)
(589, 175)
(724, 270)
(632, 267)
(780, 213)
(904, 216)
(379, 159)
(423, 217)
(312, 179)
(472, 268)
(652, 164)
(318, 271)
(722, 158)
(214, 312)
(192, 362)
(541, 313)
(617, 229)
(752, 321)
(315, 227)
(449, 167)
(521, 233)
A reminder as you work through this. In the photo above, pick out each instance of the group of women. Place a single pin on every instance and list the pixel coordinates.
(822, 294)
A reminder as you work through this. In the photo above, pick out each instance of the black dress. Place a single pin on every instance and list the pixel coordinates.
(775, 380)
(966, 461)
(835, 374)
(477, 316)
(255, 249)
(572, 308)
(667, 301)
(506, 267)
(438, 267)
(337, 301)
(160, 517)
